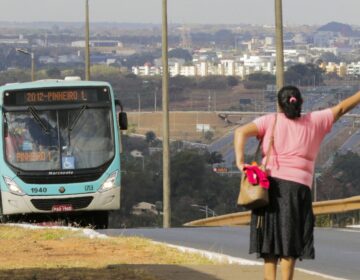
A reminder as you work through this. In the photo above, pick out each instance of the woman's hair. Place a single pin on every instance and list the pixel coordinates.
(290, 101)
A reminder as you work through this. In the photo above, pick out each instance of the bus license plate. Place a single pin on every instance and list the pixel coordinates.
(62, 208)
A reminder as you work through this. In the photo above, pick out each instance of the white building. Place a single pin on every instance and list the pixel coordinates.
(227, 67)
(97, 43)
(146, 70)
(203, 68)
(353, 69)
(188, 70)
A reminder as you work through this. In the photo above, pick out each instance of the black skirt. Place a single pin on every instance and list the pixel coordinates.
(285, 227)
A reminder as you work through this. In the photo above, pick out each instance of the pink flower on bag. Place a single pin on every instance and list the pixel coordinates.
(257, 176)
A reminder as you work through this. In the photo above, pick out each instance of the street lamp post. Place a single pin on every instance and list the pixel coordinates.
(155, 95)
(87, 41)
(32, 55)
(317, 175)
(139, 109)
(206, 209)
(279, 45)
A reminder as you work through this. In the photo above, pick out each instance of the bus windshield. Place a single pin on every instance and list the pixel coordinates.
(59, 139)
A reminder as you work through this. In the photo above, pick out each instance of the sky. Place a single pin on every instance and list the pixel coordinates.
(295, 12)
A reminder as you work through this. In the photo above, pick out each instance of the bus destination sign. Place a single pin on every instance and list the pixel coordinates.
(55, 96)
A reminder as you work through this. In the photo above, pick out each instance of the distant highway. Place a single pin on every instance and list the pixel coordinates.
(337, 250)
(352, 144)
(224, 145)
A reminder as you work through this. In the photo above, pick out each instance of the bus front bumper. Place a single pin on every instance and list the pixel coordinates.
(15, 204)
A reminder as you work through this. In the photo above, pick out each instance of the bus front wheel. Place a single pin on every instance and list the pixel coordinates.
(100, 219)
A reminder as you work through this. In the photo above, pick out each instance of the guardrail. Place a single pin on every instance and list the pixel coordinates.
(243, 218)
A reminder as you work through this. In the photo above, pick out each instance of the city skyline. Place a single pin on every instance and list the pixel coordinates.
(260, 12)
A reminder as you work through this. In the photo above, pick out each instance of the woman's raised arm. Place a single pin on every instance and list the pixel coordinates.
(346, 105)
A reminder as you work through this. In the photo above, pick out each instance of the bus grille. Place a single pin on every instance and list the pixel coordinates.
(60, 179)
(47, 204)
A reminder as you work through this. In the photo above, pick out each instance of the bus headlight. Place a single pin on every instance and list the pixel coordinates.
(109, 183)
(13, 187)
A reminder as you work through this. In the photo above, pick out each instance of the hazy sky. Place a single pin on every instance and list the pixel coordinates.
(183, 11)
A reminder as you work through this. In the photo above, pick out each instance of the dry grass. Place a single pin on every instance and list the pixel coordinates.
(183, 125)
(64, 254)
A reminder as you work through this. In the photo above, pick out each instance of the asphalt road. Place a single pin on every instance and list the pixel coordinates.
(337, 250)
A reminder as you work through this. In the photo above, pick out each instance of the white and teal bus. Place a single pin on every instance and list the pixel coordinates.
(60, 148)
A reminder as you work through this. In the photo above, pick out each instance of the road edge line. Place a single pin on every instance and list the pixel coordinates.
(234, 260)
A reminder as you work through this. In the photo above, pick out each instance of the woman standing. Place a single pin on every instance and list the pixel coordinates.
(286, 231)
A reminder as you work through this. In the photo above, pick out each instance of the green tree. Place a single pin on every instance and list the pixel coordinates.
(192, 181)
(208, 135)
(212, 82)
(150, 137)
(258, 80)
(180, 53)
(53, 73)
(214, 157)
(342, 179)
(305, 74)
(232, 81)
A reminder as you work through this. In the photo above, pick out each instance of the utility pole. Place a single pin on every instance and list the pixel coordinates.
(139, 109)
(32, 66)
(32, 56)
(87, 42)
(279, 45)
(165, 108)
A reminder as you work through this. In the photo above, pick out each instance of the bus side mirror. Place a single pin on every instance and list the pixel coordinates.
(123, 121)
(122, 117)
(6, 130)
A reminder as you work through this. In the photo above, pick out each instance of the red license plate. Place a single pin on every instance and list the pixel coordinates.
(62, 208)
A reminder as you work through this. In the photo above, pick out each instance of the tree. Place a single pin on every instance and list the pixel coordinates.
(150, 137)
(214, 157)
(342, 179)
(180, 53)
(208, 135)
(259, 80)
(53, 73)
(304, 74)
(232, 81)
(212, 82)
(15, 76)
(192, 180)
(224, 38)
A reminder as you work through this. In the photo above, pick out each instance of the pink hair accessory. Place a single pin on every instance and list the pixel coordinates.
(293, 99)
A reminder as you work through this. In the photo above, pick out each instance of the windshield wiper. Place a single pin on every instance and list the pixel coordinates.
(83, 108)
(71, 127)
(38, 119)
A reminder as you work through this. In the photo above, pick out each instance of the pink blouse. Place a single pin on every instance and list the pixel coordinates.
(296, 143)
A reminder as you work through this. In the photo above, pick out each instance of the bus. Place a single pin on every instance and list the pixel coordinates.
(60, 149)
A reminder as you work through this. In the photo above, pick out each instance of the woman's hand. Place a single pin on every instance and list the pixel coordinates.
(346, 105)
(240, 166)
